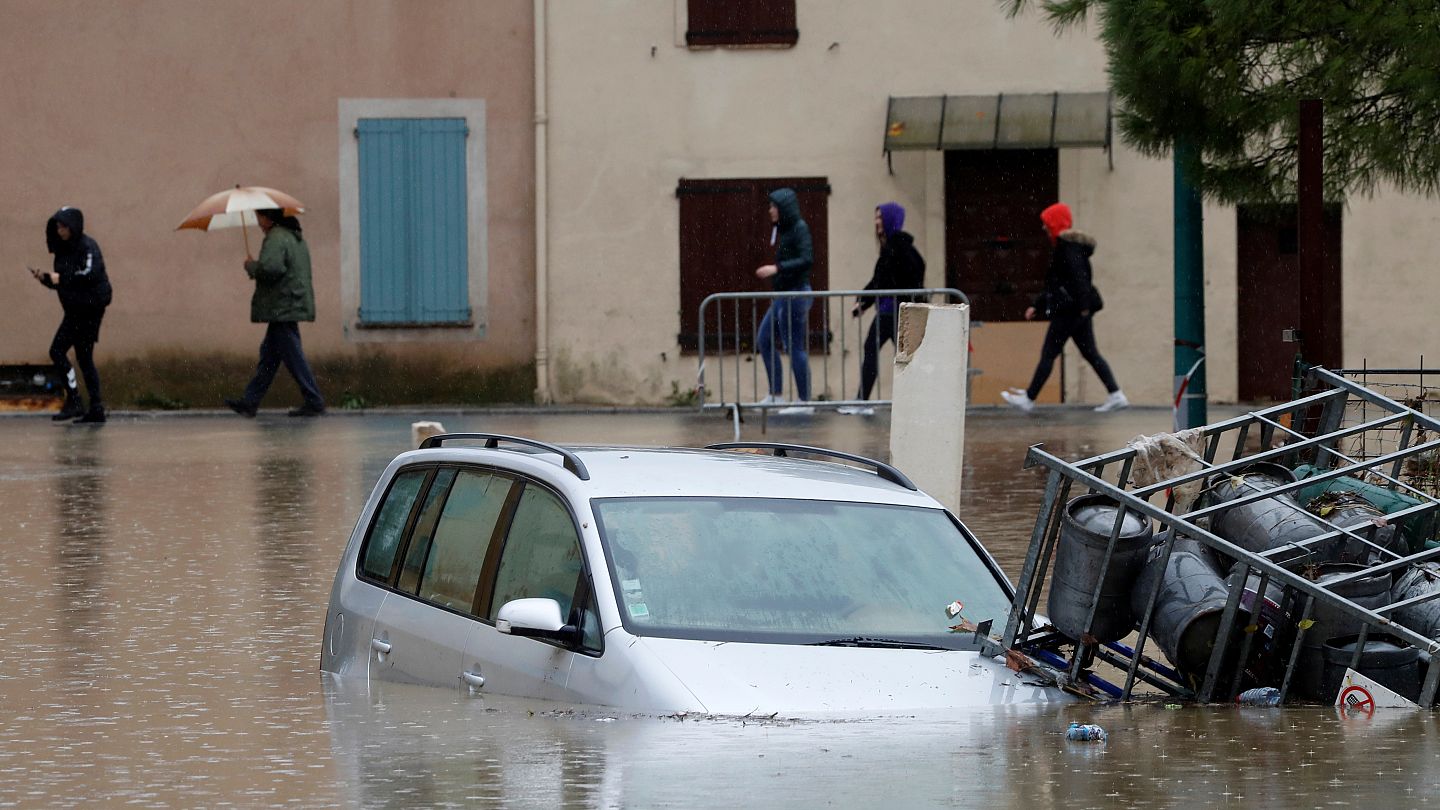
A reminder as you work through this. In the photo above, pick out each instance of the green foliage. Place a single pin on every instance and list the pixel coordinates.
(688, 398)
(1229, 74)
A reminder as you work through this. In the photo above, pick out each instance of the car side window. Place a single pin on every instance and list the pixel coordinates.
(462, 538)
(419, 546)
(389, 526)
(541, 557)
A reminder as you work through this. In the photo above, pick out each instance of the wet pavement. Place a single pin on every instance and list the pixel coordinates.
(164, 580)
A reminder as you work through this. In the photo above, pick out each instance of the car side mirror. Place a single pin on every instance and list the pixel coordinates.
(536, 618)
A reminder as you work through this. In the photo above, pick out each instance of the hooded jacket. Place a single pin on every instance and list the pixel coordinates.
(83, 283)
(794, 252)
(900, 267)
(1068, 286)
(283, 290)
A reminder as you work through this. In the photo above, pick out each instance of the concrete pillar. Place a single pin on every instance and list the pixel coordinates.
(927, 419)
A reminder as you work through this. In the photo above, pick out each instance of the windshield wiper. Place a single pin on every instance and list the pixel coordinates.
(883, 643)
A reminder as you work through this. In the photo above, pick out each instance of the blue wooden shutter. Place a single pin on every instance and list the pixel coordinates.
(414, 243)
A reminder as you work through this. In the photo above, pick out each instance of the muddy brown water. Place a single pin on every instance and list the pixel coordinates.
(164, 580)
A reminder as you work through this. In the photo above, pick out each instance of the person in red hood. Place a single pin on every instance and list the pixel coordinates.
(1069, 301)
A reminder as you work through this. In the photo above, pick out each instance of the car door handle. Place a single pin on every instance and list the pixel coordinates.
(379, 646)
(474, 679)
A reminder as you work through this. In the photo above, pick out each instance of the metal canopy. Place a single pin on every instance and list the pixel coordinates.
(1003, 121)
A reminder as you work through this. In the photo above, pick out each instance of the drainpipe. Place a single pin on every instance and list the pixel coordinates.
(543, 395)
(1190, 388)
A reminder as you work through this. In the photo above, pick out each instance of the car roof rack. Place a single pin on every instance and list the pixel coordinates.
(782, 450)
(492, 441)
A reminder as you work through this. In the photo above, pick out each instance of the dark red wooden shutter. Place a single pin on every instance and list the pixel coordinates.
(741, 22)
(724, 236)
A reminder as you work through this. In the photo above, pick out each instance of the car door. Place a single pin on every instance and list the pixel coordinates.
(427, 619)
(359, 591)
(539, 557)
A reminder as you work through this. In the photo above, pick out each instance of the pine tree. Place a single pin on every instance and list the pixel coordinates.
(1227, 75)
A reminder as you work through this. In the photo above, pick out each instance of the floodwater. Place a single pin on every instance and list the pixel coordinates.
(164, 580)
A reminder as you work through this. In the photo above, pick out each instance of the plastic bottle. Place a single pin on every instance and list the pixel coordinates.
(1264, 696)
(1086, 733)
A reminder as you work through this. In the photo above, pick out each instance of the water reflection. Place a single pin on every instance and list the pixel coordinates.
(82, 519)
(449, 750)
(284, 508)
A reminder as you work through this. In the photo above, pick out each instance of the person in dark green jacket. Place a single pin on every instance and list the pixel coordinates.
(787, 321)
(283, 297)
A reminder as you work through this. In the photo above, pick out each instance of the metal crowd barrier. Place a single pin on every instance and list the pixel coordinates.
(1347, 433)
(729, 338)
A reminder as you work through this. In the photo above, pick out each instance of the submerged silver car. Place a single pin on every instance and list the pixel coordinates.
(717, 581)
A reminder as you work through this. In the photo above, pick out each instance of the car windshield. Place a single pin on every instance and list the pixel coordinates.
(796, 571)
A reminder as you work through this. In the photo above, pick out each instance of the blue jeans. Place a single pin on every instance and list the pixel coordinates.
(281, 346)
(788, 319)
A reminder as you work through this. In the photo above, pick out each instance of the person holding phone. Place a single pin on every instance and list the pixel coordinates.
(84, 288)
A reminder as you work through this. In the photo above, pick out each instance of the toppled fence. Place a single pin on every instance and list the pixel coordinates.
(1289, 546)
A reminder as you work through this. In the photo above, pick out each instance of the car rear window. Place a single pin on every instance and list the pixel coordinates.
(389, 526)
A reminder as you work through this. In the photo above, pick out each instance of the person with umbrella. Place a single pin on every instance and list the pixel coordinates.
(84, 289)
(283, 297)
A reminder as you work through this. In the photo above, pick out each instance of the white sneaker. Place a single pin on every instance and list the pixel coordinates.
(1019, 400)
(856, 410)
(1114, 402)
(800, 409)
(772, 399)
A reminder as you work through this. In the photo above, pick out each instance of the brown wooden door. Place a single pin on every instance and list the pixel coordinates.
(1272, 297)
(995, 249)
(724, 235)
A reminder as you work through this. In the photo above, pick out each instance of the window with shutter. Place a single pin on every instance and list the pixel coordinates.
(741, 22)
(413, 222)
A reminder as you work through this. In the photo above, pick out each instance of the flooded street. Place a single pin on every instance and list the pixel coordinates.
(165, 581)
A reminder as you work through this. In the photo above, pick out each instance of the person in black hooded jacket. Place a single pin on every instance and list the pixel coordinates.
(1070, 302)
(899, 267)
(84, 288)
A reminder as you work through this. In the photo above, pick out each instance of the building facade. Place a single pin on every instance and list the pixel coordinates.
(406, 129)
(549, 188)
(652, 104)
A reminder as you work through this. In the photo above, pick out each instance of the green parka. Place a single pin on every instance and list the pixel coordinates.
(794, 252)
(283, 291)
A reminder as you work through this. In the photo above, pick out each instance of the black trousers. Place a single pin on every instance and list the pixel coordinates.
(882, 330)
(281, 346)
(1079, 329)
(79, 330)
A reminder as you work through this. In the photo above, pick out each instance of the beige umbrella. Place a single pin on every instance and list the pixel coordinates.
(236, 207)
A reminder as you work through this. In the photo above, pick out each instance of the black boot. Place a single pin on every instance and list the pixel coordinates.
(96, 415)
(72, 407)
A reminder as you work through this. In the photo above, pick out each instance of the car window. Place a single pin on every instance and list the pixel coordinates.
(795, 570)
(419, 545)
(462, 537)
(541, 557)
(389, 525)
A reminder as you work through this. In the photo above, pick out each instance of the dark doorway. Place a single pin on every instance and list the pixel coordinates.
(995, 250)
(1272, 297)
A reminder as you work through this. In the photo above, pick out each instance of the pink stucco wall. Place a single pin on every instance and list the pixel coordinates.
(135, 110)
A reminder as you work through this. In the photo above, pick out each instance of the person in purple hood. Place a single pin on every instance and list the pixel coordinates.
(899, 267)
